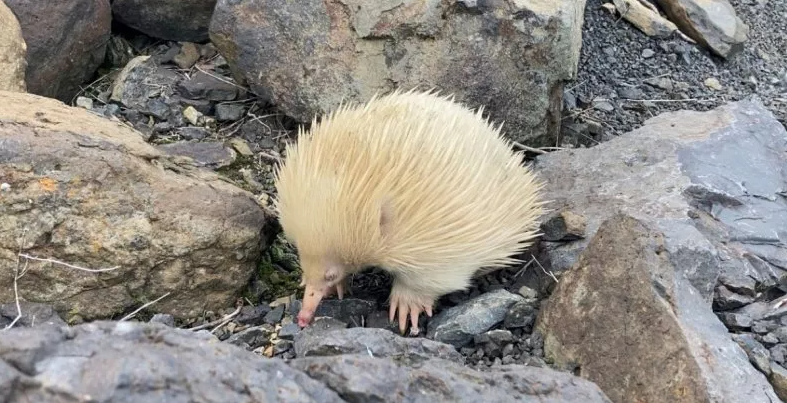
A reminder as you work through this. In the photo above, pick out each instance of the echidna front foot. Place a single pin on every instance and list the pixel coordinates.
(406, 303)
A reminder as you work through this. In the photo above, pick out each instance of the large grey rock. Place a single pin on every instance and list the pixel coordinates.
(712, 23)
(628, 319)
(308, 56)
(713, 182)
(175, 20)
(142, 363)
(375, 342)
(66, 41)
(13, 52)
(90, 192)
(359, 378)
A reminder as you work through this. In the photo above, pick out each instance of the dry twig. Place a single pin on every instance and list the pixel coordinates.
(136, 311)
(218, 321)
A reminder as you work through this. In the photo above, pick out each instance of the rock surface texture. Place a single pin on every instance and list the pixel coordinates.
(707, 191)
(104, 359)
(90, 192)
(712, 23)
(175, 20)
(308, 56)
(66, 41)
(13, 52)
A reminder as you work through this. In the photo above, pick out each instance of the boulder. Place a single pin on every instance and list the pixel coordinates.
(702, 195)
(66, 41)
(143, 363)
(89, 192)
(712, 181)
(511, 57)
(13, 52)
(151, 363)
(712, 23)
(626, 318)
(174, 20)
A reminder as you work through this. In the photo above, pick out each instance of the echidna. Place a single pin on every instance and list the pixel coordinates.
(413, 183)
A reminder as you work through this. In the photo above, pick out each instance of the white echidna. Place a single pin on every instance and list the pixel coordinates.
(413, 183)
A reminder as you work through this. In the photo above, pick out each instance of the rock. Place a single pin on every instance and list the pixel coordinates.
(99, 361)
(275, 315)
(209, 154)
(778, 353)
(712, 23)
(644, 18)
(348, 310)
(664, 83)
(521, 314)
(66, 41)
(119, 51)
(229, 112)
(164, 319)
(679, 171)
(724, 299)
(205, 86)
(241, 146)
(84, 102)
(625, 308)
(13, 52)
(33, 314)
(735, 321)
(252, 337)
(459, 324)
(193, 133)
(289, 331)
(175, 20)
(647, 53)
(189, 54)
(142, 84)
(252, 315)
(373, 342)
(192, 115)
(359, 378)
(779, 380)
(713, 83)
(563, 226)
(486, 53)
(90, 192)
(758, 354)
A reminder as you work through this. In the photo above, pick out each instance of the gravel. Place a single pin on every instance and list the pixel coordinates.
(617, 60)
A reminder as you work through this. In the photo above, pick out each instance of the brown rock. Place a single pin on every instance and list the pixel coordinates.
(90, 192)
(66, 41)
(712, 23)
(634, 326)
(13, 51)
(645, 19)
(564, 226)
(486, 53)
(175, 20)
(188, 55)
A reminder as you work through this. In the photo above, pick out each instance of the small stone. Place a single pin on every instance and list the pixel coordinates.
(631, 93)
(208, 154)
(781, 334)
(724, 299)
(379, 320)
(241, 146)
(84, 102)
(736, 320)
(188, 55)
(5, 187)
(500, 336)
(164, 319)
(520, 315)
(229, 112)
(770, 339)
(348, 310)
(285, 300)
(778, 353)
(289, 331)
(713, 83)
(528, 292)
(764, 326)
(778, 380)
(192, 115)
(603, 105)
(252, 337)
(204, 86)
(564, 226)
(664, 83)
(193, 133)
(275, 315)
(282, 346)
(758, 354)
(252, 315)
(648, 53)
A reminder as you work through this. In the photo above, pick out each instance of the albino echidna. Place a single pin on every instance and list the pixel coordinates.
(413, 183)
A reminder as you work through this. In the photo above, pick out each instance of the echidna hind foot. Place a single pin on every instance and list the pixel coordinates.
(408, 303)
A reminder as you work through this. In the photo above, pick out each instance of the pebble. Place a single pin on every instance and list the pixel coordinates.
(192, 115)
(252, 315)
(4, 187)
(289, 331)
(163, 318)
(241, 146)
(193, 133)
(188, 55)
(229, 112)
(736, 320)
(84, 102)
(275, 315)
(521, 315)
(648, 53)
(778, 353)
(713, 83)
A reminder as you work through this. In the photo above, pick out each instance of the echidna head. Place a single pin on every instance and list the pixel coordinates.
(320, 278)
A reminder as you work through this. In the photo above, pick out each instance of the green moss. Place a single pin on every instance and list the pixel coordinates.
(278, 273)
(231, 171)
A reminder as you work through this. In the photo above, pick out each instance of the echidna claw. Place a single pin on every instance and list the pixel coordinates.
(403, 307)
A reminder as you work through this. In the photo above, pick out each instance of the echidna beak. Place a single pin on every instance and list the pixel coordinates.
(311, 299)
